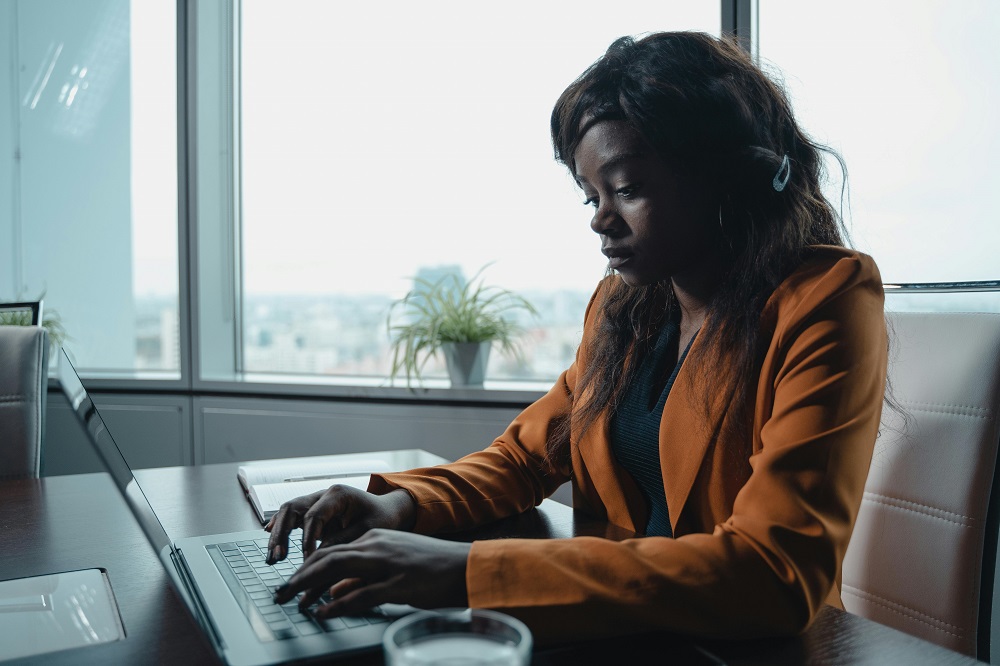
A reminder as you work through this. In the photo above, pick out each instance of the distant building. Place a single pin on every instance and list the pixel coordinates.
(433, 274)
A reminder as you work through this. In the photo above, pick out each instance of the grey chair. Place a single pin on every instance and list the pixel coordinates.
(923, 555)
(21, 314)
(24, 353)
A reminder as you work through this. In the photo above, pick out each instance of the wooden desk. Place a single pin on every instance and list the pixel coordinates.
(78, 522)
(67, 523)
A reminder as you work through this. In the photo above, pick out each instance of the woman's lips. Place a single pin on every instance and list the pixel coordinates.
(616, 257)
(617, 261)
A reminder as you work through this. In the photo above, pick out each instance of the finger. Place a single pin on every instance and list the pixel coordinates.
(270, 522)
(309, 597)
(323, 568)
(364, 598)
(330, 506)
(312, 531)
(282, 523)
(343, 587)
(344, 536)
(340, 588)
(289, 517)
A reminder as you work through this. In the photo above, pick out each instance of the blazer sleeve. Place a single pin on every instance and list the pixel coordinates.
(507, 478)
(768, 568)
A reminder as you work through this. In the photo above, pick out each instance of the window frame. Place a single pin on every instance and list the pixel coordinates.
(209, 222)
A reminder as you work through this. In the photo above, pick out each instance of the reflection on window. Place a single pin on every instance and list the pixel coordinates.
(381, 140)
(93, 188)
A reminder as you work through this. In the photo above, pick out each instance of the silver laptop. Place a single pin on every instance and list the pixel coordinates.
(223, 577)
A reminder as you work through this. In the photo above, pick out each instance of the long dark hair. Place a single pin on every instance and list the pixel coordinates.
(702, 103)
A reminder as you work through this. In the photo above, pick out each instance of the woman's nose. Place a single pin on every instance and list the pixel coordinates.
(605, 219)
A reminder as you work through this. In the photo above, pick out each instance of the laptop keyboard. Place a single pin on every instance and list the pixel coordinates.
(252, 581)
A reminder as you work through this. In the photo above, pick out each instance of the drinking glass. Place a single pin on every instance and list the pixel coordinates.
(454, 637)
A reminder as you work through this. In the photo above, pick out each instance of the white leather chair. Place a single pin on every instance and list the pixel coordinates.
(923, 555)
(23, 387)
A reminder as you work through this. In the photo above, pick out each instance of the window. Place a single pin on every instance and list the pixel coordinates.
(332, 153)
(907, 93)
(384, 141)
(91, 126)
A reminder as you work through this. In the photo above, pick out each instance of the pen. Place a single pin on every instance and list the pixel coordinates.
(315, 478)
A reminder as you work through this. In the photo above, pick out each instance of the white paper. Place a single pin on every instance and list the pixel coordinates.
(312, 467)
(268, 497)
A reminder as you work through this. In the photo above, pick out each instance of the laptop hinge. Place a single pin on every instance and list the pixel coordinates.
(197, 604)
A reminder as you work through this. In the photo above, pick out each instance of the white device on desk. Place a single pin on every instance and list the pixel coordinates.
(223, 577)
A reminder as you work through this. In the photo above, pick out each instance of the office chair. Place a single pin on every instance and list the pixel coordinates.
(28, 313)
(923, 555)
(24, 354)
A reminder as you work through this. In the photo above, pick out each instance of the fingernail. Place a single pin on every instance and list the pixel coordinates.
(270, 557)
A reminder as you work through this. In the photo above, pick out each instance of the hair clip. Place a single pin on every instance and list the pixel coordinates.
(783, 174)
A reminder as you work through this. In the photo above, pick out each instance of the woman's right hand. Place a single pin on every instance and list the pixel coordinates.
(337, 515)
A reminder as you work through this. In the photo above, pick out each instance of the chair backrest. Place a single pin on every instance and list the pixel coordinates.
(23, 387)
(21, 314)
(923, 554)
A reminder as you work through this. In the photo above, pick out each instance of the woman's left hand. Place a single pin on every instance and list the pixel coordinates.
(382, 566)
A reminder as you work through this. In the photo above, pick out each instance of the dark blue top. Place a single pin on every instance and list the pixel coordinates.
(635, 427)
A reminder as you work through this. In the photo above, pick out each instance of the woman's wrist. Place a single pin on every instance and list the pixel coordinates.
(404, 509)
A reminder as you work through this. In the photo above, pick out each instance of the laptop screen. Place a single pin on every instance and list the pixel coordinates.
(108, 451)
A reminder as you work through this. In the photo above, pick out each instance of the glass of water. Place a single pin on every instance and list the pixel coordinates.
(453, 637)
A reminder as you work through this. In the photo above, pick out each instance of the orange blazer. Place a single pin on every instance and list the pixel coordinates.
(758, 542)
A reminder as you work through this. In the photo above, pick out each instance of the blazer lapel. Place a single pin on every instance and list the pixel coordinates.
(685, 434)
(612, 485)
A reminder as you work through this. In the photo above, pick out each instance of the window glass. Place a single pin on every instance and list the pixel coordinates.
(961, 301)
(907, 93)
(93, 186)
(384, 141)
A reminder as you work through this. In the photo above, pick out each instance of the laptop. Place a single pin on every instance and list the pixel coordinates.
(223, 578)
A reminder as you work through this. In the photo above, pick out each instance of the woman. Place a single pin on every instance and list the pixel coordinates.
(724, 402)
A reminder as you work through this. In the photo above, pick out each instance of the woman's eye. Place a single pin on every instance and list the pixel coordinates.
(626, 192)
(591, 201)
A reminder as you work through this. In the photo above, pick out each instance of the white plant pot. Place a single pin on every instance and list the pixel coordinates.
(467, 362)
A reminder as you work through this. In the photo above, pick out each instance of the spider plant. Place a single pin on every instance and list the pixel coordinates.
(450, 310)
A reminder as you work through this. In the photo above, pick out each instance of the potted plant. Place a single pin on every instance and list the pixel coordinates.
(460, 319)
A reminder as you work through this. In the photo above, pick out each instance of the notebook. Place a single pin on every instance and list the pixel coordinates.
(269, 484)
(223, 578)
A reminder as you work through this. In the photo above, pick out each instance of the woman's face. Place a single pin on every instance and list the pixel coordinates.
(654, 225)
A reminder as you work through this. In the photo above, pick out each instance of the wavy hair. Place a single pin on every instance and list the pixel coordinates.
(701, 102)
